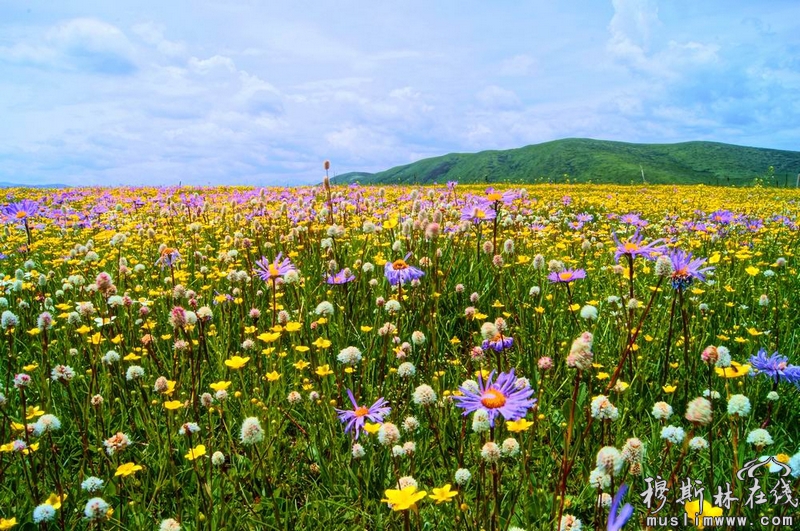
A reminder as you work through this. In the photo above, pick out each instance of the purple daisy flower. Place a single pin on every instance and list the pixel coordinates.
(566, 276)
(776, 366)
(342, 277)
(399, 272)
(21, 210)
(617, 521)
(477, 212)
(634, 247)
(498, 343)
(723, 217)
(270, 271)
(634, 219)
(354, 419)
(498, 397)
(169, 257)
(685, 269)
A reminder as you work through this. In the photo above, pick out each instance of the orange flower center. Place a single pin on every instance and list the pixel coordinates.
(167, 250)
(493, 399)
(494, 197)
(273, 271)
(399, 264)
(361, 411)
(565, 275)
(682, 272)
(480, 214)
(630, 247)
(21, 215)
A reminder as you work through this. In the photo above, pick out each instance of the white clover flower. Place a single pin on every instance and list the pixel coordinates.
(589, 312)
(406, 370)
(349, 356)
(480, 421)
(673, 434)
(759, 437)
(739, 405)
(251, 432)
(424, 395)
(463, 475)
(92, 484)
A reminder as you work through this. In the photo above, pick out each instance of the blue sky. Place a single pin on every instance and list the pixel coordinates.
(258, 92)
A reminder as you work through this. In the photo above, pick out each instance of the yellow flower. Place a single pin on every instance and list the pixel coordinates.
(324, 370)
(55, 501)
(752, 271)
(694, 514)
(734, 371)
(127, 469)
(220, 385)
(32, 412)
(96, 338)
(293, 326)
(444, 494)
(669, 388)
(369, 427)
(483, 373)
(197, 451)
(83, 330)
(173, 404)
(301, 348)
(404, 499)
(273, 376)
(237, 362)
(7, 523)
(516, 426)
(366, 328)
(321, 342)
(301, 364)
(268, 337)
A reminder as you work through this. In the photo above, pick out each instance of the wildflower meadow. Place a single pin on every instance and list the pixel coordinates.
(555, 357)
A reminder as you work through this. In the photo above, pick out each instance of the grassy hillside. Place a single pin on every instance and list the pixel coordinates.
(598, 161)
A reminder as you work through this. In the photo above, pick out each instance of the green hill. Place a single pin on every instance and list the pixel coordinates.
(597, 161)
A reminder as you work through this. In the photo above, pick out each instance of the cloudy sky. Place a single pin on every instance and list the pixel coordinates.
(260, 92)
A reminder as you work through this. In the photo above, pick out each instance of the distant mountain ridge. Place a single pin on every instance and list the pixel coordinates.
(597, 161)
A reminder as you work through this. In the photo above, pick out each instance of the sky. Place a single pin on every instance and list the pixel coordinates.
(260, 93)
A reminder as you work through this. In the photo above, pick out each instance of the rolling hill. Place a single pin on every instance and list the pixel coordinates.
(597, 161)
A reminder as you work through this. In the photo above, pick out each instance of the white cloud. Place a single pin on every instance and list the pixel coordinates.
(518, 65)
(82, 44)
(495, 97)
(153, 34)
(216, 62)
